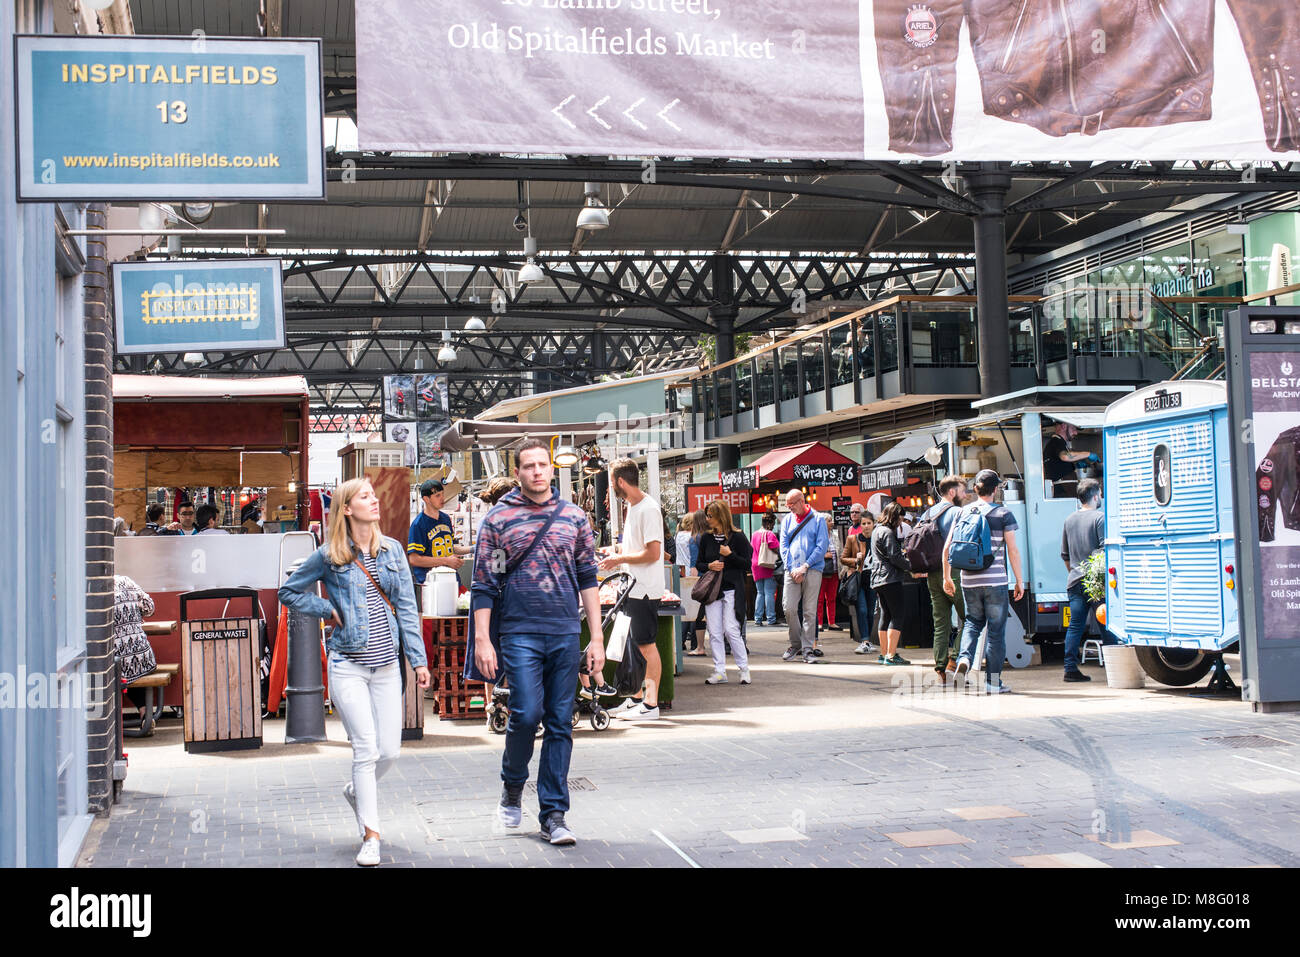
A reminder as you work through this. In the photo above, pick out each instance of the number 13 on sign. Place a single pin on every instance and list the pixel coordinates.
(178, 112)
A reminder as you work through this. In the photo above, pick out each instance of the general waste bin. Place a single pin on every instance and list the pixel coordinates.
(221, 674)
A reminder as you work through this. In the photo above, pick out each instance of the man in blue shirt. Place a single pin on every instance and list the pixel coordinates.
(804, 543)
(430, 542)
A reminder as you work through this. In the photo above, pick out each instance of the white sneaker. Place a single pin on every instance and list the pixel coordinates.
(350, 795)
(627, 704)
(368, 856)
(744, 676)
(640, 713)
(717, 678)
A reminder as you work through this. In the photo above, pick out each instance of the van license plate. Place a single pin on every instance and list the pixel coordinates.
(1168, 400)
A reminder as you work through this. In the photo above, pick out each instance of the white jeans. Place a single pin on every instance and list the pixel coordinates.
(721, 618)
(370, 705)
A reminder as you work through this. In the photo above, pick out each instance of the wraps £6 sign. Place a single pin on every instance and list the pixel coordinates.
(138, 118)
(193, 306)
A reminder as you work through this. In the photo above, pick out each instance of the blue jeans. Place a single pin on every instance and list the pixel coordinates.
(986, 605)
(765, 600)
(866, 612)
(1079, 608)
(542, 671)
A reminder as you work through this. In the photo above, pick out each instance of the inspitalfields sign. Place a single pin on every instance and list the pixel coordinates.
(196, 306)
(140, 118)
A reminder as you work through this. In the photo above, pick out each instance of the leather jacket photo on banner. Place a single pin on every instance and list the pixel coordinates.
(1079, 66)
(1276, 485)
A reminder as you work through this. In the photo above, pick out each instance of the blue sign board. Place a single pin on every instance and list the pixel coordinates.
(198, 306)
(195, 118)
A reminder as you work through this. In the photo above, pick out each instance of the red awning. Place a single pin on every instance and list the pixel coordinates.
(778, 465)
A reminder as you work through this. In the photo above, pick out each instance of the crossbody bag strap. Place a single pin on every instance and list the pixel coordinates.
(378, 588)
(510, 569)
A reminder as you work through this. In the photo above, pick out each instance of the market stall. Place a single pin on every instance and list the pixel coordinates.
(219, 440)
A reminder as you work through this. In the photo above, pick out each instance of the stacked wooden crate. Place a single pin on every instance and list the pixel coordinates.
(456, 698)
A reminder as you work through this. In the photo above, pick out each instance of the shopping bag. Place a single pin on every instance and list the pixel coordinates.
(617, 643)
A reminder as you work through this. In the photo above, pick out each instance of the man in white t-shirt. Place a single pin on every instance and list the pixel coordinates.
(642, 554)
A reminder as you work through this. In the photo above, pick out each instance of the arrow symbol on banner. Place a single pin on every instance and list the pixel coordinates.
(662, 114)
(556, 110)
(628, 113)
(592, 112)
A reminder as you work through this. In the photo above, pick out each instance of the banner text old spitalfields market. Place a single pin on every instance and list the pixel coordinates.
(596, 41)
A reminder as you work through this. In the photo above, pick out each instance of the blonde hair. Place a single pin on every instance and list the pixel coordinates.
(721, 512)
(338, 540)
(686, 523)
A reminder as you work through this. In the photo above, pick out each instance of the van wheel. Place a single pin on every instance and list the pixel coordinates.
(1174, 666)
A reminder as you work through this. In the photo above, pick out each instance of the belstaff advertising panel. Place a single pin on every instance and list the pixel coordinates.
(836, 79)
(196, 305)
(139, 118)
(1264, 406)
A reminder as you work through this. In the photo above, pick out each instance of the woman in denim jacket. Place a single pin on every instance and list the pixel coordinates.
(372, 626)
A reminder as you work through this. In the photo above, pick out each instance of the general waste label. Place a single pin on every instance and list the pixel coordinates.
(136, 118)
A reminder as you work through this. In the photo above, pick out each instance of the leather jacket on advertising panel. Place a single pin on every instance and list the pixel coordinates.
(1276, 485)
(1079, 66)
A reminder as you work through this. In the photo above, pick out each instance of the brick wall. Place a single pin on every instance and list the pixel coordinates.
(101, 670)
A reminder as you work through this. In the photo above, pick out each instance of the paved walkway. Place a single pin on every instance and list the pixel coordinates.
(839, 763)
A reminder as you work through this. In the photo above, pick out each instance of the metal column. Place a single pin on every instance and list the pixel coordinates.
(989, 187)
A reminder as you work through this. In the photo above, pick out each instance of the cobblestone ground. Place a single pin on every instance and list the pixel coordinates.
(843, 763)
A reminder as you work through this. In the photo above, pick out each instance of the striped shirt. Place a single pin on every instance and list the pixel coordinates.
(379, 649)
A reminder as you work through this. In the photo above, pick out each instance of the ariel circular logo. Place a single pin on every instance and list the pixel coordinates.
(1266, 466)
(920, 26)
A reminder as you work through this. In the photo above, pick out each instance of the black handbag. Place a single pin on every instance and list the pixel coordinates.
(850, 585)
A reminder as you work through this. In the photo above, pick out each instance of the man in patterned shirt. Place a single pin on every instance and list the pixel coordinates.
(536, 559)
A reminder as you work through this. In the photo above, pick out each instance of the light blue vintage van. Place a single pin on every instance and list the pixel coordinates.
(1170, 584)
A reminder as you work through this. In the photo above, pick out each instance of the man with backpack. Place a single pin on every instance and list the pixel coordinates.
(804, 543)
(924, 549)
(982, 544)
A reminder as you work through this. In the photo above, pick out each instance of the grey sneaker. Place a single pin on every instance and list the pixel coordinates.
(557, 832)
(791, 654)
(998, 688)
(510, 812)
(810, 659)
(865, 648)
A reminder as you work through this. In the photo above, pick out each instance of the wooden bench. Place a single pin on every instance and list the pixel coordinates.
(150, 713)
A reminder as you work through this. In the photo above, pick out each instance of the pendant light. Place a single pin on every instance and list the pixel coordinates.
(594, 215)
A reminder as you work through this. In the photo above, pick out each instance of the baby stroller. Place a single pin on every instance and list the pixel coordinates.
(589, 693)
(595, 688)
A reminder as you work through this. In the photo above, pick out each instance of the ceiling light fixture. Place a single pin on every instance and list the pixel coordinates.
(475, 324)
(530, 272)
(593, 215)
(447, 353)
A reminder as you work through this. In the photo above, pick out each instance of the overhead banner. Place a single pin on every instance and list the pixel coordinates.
(193, 118)
(198, 306)
(836, 79)
(825, 474)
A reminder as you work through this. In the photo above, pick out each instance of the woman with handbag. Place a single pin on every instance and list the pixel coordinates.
(372, 607)
(854, 563)
(766, 551)
(725, 553)
(889, 569)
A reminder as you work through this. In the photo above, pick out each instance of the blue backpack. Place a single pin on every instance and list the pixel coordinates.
(972, 540)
